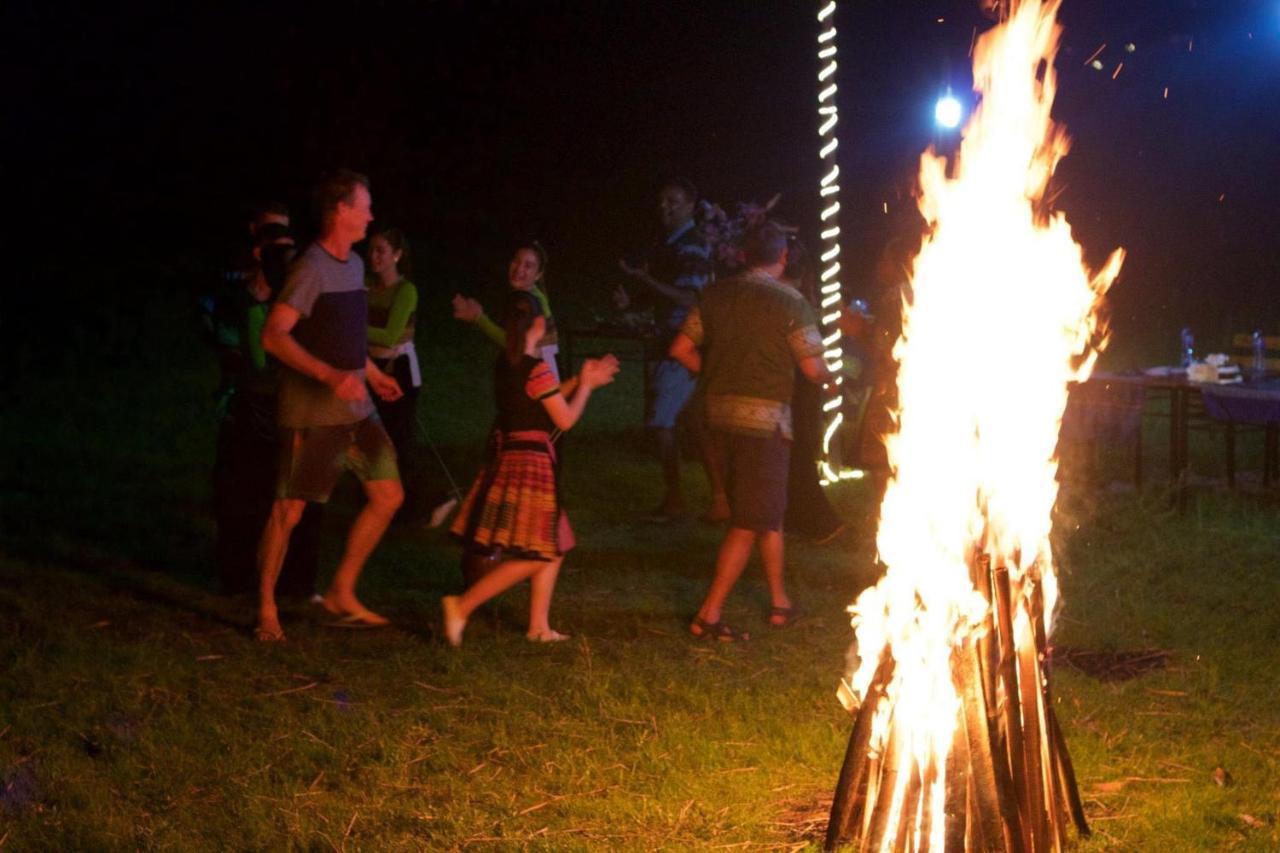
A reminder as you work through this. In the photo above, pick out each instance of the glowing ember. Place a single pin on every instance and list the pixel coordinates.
(961, 748)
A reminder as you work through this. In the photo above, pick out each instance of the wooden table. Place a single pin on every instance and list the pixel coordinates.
(1184, 395)
(1253, 403)
(1179, 391)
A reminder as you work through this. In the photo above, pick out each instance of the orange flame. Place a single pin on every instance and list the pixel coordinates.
(1002, 317)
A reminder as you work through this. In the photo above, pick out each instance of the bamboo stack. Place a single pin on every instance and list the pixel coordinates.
(1009, 782)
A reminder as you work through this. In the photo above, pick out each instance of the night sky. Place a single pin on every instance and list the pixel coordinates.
(144, 131)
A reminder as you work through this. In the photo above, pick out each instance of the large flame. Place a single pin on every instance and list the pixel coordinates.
(1002, 316)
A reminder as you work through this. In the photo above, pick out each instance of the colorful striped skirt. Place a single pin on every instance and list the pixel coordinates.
(512, 507)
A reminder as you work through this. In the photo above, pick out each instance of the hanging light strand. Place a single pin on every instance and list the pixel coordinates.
(829, 277)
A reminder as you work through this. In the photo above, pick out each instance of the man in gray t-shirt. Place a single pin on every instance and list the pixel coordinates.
(317, 331)
(329, 296)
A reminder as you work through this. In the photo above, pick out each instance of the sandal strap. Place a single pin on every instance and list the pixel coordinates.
(718, 630)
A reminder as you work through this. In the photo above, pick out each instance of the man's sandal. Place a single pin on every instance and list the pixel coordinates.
(721, 632)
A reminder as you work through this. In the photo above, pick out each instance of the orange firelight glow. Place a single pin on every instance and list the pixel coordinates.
(1002, 316)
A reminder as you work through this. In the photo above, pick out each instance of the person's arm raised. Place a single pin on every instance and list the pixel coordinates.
(278, 339)
(469, 311)
(679, 295)
(403, 304)
(595, 373)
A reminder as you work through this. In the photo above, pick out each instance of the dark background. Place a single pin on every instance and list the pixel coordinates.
(144, 131)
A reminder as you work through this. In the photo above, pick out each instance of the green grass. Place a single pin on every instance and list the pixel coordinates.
(135, 712)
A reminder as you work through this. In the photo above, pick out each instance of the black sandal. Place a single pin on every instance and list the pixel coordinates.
(786, 614)
(703, 629)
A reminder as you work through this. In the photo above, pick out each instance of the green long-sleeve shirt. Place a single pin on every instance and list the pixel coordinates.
(498, 335)
(392, 313)
(255, 320)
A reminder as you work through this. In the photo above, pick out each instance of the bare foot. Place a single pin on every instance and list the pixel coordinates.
(454, 622)
(548, 635)
(268, 630)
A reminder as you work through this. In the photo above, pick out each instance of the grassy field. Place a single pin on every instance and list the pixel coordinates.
(136, 713)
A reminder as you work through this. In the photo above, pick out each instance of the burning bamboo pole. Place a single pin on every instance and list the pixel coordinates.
(853, 772)
(886, 801)
(957, 793)
(1067, 776)
(1012, 708)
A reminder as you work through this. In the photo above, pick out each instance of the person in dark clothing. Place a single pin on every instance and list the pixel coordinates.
(248, 442)
(675, 271)
(746, 338)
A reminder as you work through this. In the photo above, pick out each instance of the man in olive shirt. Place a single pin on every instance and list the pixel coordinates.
(317, 330)
(746, 337)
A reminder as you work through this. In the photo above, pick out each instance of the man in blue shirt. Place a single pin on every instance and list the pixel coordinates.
(676, 270)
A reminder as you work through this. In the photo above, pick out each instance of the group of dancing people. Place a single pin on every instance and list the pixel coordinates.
(326, 378)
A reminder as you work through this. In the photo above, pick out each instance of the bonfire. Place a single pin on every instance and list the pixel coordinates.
(955, 744)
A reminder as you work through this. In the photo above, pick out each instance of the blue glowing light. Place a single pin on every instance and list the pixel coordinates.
(948, 113)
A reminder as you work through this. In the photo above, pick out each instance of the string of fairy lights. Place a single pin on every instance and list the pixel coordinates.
(830, 468)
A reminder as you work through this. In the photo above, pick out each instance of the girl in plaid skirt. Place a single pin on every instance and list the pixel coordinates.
(512, 510)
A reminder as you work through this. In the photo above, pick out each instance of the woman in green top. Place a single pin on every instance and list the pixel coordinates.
(525, 274)
(393, 311)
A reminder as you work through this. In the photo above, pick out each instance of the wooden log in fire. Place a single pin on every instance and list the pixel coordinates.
(1008, 780)
(957, 791)
(882, 809)
(853, 771)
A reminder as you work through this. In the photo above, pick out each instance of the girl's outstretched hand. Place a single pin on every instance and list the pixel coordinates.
(597, 372)
(466, 309)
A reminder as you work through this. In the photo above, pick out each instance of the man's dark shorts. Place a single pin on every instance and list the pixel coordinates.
(313, 458)
(756, 476)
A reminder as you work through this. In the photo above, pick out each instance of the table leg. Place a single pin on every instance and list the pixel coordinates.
(1230, 436)
(1271, 454)
(1179, 450)
(1176, 414)
(1137, 456)
(647, 379)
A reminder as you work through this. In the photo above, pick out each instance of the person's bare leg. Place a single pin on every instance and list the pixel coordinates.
(735, 550)
(669, 456)
(385, 497)
(541, 585)
(458, 608)
(771, 556)
(285, 515)
(713, 464)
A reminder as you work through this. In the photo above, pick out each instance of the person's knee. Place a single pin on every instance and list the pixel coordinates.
(287, 512)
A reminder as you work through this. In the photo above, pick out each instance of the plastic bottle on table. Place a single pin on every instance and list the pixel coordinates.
(1188, 347)
(1259, 354)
